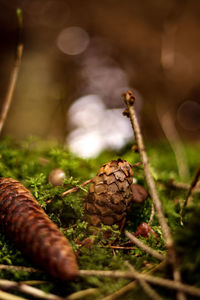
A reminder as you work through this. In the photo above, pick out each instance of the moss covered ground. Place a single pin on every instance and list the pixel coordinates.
(31, 162)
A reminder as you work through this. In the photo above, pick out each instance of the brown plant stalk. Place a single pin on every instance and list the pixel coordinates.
(14, 75)
(26, 289)
(183, 186)
(174, 140)
(131, 285)
(192, 188)
(129, 100)
(144, 285)
(144, 247)
(83, 293)
(170, 284)
(8, 296)
(76, 188)
(152, 214)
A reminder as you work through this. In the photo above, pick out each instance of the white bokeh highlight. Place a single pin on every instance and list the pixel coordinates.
(96, 128)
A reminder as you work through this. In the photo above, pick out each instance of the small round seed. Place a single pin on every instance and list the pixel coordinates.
(56, 177)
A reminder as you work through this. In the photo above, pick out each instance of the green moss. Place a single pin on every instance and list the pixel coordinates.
(31, 162)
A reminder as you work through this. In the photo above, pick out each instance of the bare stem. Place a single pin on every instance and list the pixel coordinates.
(75, 189)
(7, 296)
(26, 289)
(127, 288)
(13, 78)
(137, 164)
(152, 215)
(192, 187)
(144, 247)
(183, 186)
(121, 247)
(129, 100)
(83, 293)
(146, 287)
(175, 142)
(170, 284)
(35, 282)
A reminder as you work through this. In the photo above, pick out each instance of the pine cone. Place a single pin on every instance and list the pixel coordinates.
(110, 194)
(27, 225)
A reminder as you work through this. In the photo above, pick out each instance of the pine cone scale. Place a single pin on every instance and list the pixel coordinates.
(109, 179)
(110, 194)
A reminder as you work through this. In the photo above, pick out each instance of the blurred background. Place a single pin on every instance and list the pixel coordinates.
(80, 56)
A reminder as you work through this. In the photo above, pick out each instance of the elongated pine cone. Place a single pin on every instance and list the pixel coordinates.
(27, 225)
(110, 194)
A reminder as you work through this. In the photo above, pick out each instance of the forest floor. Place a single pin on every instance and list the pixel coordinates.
(31, 162)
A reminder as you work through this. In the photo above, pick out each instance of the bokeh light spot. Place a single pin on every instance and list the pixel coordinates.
(86, 111)
(73, 40)
(85, 143)
(188, 115)
(96, 127)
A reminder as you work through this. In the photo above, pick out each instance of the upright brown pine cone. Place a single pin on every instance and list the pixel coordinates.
(110, 194)
(27, 225)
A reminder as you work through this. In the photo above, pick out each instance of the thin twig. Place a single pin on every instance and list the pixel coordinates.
(7, 296)
(35, 282)
(82, 294)
(182, 185)
(43, 160)
(146, 287)
(136, 165)
(144, 247)
(170, 284)
(152, 214)
(14, 75)
(75, 189)
(127, 288)
(24, 288)
(175, 142)
(121, 247)
(129, 100)
(192, 188)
